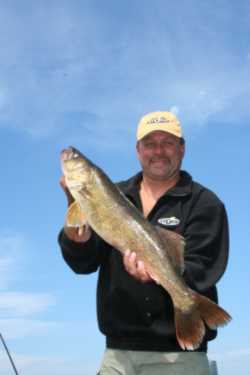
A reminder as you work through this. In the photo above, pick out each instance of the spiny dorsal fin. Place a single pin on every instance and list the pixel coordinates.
(174, 245)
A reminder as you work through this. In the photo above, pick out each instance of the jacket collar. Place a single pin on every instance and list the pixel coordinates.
(181, 189)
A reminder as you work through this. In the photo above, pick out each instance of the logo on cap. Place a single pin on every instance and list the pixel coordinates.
(158, 120)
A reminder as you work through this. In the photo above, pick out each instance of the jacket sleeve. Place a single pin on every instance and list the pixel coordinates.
(207, 243)
(83, 258)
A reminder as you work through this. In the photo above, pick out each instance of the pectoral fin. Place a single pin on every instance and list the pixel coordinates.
(174, 245)
(75, 217)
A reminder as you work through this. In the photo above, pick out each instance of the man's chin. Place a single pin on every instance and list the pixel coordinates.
(160, 175)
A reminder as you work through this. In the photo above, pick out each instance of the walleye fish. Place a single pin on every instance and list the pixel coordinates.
(114, 218)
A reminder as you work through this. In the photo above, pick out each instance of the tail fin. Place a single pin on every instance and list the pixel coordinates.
(213, 315)
(190, 325)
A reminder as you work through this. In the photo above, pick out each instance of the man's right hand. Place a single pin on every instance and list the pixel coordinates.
(78, 234)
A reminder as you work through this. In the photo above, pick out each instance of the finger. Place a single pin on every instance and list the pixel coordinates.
(127, 253)
(83, 230)
(142, 272)
(84, 233)
(132, 266)
(130, 262)
(135, 268)
(125, 258)
(73, 233)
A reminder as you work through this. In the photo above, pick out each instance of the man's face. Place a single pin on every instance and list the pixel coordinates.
(160, 155)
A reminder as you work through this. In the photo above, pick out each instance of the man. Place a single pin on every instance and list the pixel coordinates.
(134, 313)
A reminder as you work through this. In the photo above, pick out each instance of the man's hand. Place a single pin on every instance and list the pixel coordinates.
(135, 267)
(78, 234)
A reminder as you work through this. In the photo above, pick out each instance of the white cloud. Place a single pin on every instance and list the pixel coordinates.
(11, 246)
(15, 305)
(2, 99)
(108, 68)
(23, 304)
(232, 362)
(245, 352)
(49, 365)
(175, 109)
(40, 365)
(6, 264)
(21, 328)
(232, 354)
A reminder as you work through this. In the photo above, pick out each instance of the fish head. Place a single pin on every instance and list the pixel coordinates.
(78, 170)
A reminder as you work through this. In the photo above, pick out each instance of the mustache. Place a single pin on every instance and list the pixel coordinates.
(157, 158)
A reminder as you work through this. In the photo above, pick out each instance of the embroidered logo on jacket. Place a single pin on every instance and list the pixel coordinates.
(169, 221)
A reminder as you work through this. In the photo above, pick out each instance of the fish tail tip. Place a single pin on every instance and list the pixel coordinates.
(213, 315)
(191, 325)
(190, 329)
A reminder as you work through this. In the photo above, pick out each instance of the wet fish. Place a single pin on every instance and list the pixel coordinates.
(114, 218)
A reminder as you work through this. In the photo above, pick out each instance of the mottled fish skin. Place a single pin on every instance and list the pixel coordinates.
(113, 217)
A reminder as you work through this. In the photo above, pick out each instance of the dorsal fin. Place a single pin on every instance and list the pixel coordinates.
(174, 245)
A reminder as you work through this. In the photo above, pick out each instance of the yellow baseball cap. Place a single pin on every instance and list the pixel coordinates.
(165, 121)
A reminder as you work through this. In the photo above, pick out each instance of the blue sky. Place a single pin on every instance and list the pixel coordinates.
(82, 73)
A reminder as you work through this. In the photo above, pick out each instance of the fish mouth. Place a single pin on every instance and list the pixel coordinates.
(69, 154)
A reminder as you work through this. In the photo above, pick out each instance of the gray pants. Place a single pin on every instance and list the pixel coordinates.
(125, 362)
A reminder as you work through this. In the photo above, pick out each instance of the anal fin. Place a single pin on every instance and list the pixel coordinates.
(174, 245)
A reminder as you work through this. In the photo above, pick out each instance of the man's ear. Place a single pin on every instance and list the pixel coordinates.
(183, 149)
(137, 146)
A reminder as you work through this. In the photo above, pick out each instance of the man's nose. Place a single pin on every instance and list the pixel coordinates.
(158, 149)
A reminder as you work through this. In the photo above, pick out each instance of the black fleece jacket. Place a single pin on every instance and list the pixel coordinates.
(139, 316)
